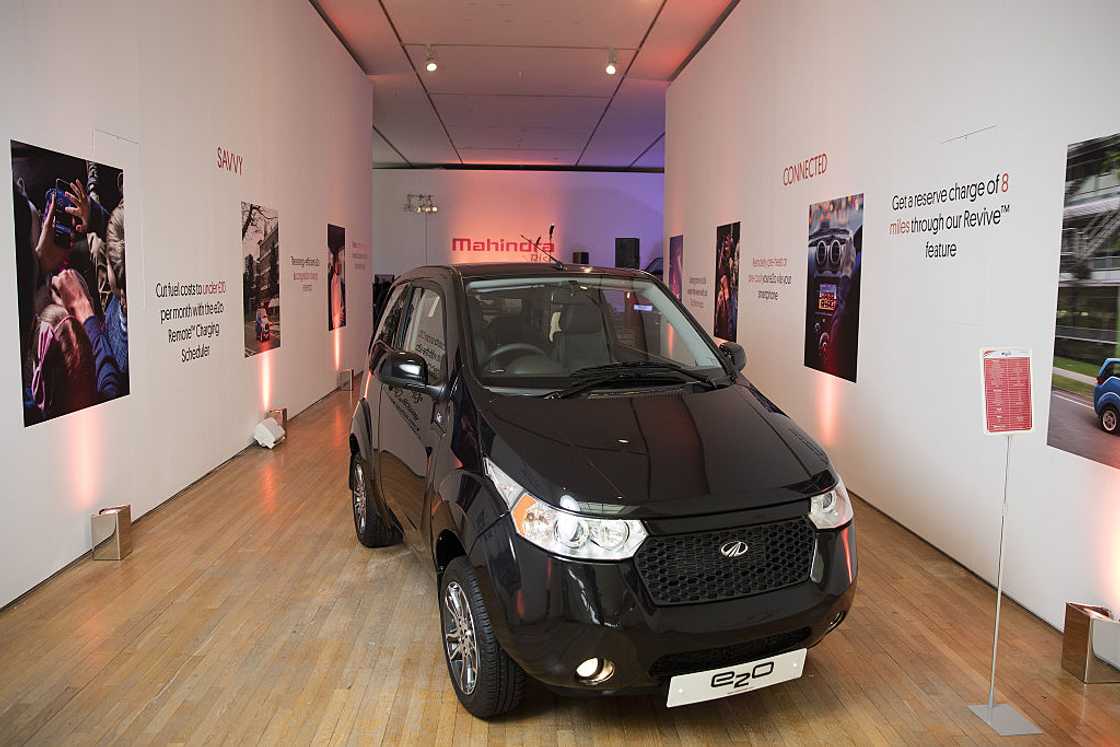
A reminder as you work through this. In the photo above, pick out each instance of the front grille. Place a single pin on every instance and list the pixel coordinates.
(689, 568)
(725, 656)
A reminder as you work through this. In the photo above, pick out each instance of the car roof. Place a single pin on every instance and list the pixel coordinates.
(477, 270)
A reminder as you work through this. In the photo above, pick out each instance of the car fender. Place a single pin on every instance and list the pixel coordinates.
(465, 505)
(1108, 398)
(361, 435)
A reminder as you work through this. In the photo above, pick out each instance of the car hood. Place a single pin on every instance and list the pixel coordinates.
(657, 453)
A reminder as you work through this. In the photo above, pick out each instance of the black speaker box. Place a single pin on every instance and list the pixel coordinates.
(626, 253)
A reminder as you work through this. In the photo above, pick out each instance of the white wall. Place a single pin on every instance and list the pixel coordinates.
(884, 88)
(156, 88)
(589, 209)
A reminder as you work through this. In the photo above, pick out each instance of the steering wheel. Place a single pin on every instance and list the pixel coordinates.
(509, 348)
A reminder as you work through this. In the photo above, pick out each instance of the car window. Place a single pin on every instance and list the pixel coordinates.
(392, 316)
(1113, 369)
(537, 331)
(424, 333)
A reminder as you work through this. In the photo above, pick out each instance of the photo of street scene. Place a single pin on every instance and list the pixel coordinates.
(1085, 384)
(260, 247)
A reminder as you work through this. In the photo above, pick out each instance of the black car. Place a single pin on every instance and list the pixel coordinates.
(607, 504)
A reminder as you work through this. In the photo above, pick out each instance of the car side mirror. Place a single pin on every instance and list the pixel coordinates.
(408, 371)
(734, 353)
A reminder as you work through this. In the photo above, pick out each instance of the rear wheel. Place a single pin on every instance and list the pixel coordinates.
(1110, 419)
(371, 528)
(486, 680)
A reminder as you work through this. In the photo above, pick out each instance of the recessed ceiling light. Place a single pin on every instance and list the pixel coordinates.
(612, 62)
(430, 63)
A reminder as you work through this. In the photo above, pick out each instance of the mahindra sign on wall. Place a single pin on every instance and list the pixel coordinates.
(514, 250)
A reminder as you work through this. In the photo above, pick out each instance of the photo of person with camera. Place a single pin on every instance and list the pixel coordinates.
(336, 277)
(727, 281)
(70, 270)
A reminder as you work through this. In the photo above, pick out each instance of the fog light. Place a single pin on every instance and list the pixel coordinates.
(594, 671)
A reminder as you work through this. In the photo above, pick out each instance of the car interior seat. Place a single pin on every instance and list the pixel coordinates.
(507, 330)
(582, 339)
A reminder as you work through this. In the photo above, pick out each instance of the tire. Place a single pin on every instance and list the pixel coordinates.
(365, 504)
(498, 683)
(1110, 420)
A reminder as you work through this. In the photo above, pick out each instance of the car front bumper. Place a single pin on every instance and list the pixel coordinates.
(550, 614)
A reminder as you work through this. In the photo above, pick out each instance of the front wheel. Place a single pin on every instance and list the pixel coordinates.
(1110, 420)
(486, 680)
(372, 530)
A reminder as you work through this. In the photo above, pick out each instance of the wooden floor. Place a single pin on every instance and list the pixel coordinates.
(248, 613)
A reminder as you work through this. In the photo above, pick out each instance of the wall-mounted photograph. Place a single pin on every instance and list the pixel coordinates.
(832, 298)
(336, 277)
(676, 264)
(72, 310)
(727, 281)
(1085, 382)
(260, 249)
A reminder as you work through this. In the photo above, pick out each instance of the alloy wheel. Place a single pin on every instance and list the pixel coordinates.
(459, 638)
(1108, 420)
(360, 496)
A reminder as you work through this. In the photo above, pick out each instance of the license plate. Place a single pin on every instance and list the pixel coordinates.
(719, 683)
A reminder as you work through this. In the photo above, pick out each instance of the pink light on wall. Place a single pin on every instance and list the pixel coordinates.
(87, 433)
(826, 408)
(266, 382)
(338, 349)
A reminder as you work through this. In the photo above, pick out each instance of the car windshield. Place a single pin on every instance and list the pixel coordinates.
(543, 332)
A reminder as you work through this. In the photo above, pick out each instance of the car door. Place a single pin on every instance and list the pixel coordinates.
(383, 341)
(409, 432)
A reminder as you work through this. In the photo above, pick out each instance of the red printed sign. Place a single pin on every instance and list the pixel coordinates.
(1007, 390)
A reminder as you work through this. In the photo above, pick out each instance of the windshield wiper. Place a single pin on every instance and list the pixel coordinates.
(637, 371)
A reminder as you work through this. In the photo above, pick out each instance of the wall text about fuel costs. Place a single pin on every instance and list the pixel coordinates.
(190, 317)
(959, 207)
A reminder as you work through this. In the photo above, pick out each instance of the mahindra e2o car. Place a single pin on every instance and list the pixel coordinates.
(1106, 395)
(607, 504)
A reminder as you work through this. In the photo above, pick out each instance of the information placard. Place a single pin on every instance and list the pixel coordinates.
(1007, 399)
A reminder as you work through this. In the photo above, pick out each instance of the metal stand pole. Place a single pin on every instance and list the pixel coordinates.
(1003, 718)
(999, 577)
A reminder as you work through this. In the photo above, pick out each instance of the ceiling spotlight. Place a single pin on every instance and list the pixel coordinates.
(421, 204)
(430, 63)
(612, 62)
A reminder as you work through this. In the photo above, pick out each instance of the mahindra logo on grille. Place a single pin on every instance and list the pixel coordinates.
(733, 549)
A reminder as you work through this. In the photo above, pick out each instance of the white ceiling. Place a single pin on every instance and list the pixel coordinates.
(521, 82)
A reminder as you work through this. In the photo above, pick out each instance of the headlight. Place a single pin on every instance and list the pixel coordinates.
(832, 509)
(575, 536)
(506, 486)
(563, 532)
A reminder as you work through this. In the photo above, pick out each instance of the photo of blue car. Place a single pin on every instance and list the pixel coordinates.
(1106, 395)
(1085, 379)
